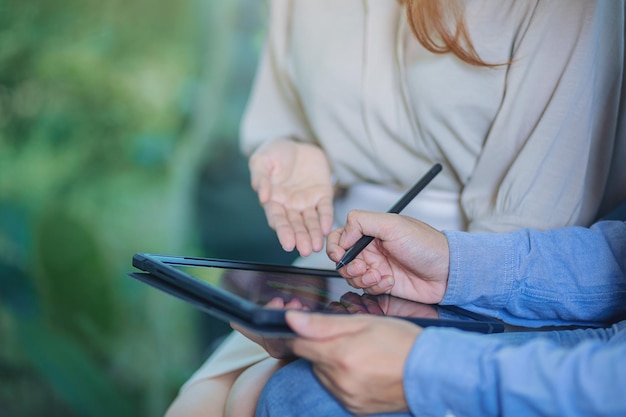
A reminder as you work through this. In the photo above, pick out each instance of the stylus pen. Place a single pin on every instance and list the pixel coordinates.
(397, 208)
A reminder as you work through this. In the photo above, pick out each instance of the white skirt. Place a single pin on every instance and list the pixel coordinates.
(440, 209)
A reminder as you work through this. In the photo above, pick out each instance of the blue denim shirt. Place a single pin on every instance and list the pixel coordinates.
(570, 275)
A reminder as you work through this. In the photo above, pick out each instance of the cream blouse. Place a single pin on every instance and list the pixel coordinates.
(525, 144)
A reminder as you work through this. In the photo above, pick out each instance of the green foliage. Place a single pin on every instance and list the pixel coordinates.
(72, 374)
(74, 280)
(108, 110)
(113, 74)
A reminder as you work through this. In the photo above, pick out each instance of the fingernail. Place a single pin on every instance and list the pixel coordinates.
(367, 280)
(349, 269)
(297, 318)
(388, 281)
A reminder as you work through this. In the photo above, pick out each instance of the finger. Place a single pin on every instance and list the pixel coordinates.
(370, 278)
(372, 305)
(255, 337)
(294, 304)
(276, 302)
(276, 214)
(335, 306)
(277, 219)
(312, 224)
(356, 269)
(333, 250)
(360, 223)
(349, 236)
(325, 211)
(354, 272)
(260, 179)
(236, 327)
(263, 187)
(319, 335)
(317, 326)
(384, 286)
(354, 308)
(301, 234)
(352, 303)
(351, 297)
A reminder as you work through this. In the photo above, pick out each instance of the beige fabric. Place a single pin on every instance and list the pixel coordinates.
(527, 144)
(235, 352)
(439, 208)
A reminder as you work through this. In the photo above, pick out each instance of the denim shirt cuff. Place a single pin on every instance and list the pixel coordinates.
(482, 269)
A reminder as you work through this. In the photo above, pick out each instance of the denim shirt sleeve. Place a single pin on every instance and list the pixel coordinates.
(532, 278)
(488, 377)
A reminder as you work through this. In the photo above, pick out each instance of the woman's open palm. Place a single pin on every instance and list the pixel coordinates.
(293, 182)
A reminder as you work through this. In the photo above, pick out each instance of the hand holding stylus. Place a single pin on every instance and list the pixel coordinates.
(397, 208)
(407, 258)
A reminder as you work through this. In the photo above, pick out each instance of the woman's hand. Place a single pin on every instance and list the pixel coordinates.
(293, 181)
(407, 258)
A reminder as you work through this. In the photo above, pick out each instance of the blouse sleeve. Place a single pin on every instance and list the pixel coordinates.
(274, 109)
(562, 98)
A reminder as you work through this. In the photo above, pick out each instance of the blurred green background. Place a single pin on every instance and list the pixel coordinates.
(118, 134)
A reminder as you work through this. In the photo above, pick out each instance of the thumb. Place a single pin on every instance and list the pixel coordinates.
(321, 326)
(261, 184)
(260, 172)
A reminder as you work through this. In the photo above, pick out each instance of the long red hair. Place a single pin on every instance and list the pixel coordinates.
(439, 25)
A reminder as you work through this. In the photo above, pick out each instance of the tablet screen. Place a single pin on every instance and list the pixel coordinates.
(260, 287)
(243, 290)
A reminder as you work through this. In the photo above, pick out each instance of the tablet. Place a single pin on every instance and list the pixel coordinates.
(238, 291)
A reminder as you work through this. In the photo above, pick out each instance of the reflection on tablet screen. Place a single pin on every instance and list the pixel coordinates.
(382, 305)
(240, 291)
(261, 287)
(313, 292)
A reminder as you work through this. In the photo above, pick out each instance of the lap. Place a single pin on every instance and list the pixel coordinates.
(294, 390)
(236, 353)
